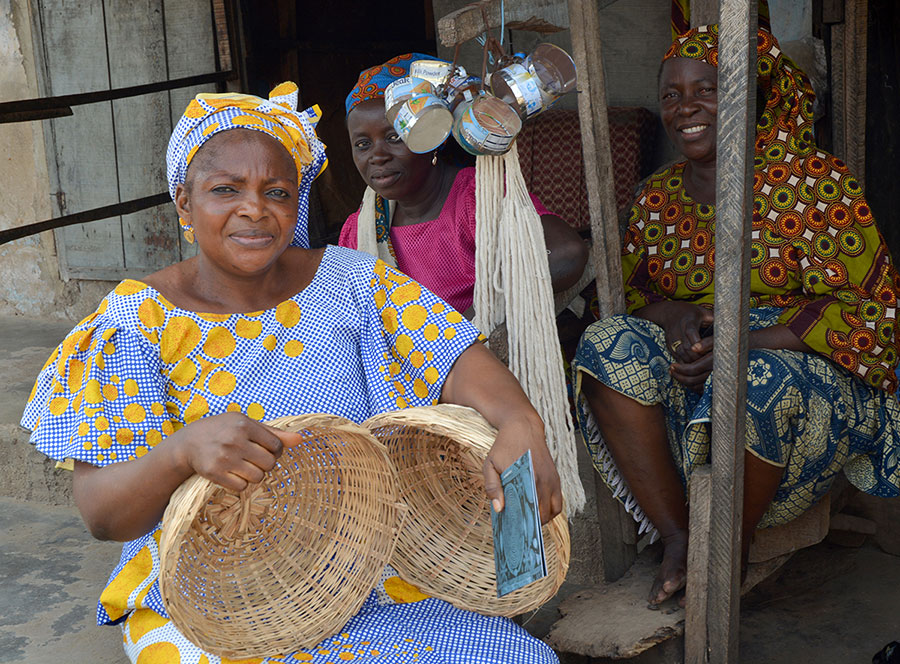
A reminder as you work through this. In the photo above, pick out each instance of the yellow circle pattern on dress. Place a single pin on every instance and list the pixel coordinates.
(120, 413)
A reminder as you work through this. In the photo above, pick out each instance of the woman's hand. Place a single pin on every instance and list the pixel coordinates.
(480, 381)
(126, 500)
(687, 328)
(230, 449)
(693, 375)
(683, 323)
(514, 440)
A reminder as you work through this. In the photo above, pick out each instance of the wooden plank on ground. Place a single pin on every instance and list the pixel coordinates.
(75, 61)
(137, 47)
(734, 204)
(612, 621)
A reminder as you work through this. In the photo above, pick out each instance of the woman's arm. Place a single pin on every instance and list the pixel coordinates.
(480, 381)
(126, 500)
(777, 337)
(567, 252)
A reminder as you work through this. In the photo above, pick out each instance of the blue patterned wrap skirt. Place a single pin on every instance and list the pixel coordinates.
(804, 413)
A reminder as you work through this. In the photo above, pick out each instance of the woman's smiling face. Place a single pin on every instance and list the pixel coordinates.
(240, 196)
(688, 105)
(381, 157)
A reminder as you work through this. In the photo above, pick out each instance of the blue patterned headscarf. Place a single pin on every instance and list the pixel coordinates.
(373, 81)
(277, 116)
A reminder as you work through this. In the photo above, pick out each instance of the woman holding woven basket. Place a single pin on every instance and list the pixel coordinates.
(823, 323)
(418, 212)
(172, 375)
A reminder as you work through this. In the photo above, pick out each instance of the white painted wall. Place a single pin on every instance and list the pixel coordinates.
(29, 274)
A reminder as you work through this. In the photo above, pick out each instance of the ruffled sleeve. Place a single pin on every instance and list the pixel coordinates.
(415, 339)
(850, 286)
(100, 398)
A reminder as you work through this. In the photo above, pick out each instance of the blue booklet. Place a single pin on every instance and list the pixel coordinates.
(518, 541)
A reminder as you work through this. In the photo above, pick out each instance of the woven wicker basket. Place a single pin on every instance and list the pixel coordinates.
(446, 548)
(290, 560)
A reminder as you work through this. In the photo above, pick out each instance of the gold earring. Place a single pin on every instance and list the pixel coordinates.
(434, 159)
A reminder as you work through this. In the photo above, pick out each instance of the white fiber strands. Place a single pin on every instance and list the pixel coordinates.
(512, 282)
(488, 298)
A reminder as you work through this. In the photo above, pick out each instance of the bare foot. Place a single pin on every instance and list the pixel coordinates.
(673, 569)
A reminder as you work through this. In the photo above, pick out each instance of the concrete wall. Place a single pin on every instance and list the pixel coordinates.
(29, 274)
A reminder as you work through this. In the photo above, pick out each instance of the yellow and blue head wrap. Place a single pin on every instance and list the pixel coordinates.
(277, 116)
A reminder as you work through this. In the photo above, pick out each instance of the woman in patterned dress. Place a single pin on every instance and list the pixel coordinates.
(823, 338)
(173, 374)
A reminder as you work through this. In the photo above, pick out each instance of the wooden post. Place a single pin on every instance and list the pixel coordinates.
(734, 205)
(848, 83)
(695, 636)
(598, 174)
(613, 521)
(704, 12)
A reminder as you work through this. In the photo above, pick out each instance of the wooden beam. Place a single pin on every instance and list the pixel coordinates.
(595, 146)
(467, 23)
(704, 12)
(734, 207)
(612, 519)
(105, 212)
(65, 102)
(848, 80)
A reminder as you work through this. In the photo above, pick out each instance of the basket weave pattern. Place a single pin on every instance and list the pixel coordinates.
(446, 548)
(288, 561)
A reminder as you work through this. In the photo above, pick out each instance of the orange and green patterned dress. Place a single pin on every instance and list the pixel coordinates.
(819, 266)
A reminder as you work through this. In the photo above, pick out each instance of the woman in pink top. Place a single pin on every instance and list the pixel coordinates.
(432, 226)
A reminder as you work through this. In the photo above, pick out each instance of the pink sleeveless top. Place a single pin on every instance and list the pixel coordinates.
(440, 253)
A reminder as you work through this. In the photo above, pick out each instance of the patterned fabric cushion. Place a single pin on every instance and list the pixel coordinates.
(550, 155)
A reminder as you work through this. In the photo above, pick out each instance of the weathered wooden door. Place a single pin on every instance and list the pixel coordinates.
(114, 151)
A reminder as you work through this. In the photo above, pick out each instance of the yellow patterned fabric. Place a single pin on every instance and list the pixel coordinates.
(362, 338)
(209, 114)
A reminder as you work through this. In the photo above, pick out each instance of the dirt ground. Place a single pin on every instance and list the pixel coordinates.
(828, 604)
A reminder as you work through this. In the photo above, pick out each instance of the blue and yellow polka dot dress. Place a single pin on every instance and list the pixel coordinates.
(361, 339)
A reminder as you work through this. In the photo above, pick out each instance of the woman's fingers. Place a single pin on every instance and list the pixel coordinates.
(693, 374)
(548, 489)
(492, 485)
(511, 444)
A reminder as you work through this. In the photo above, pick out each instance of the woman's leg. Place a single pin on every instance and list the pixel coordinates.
(761, 481)
(636, 437)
